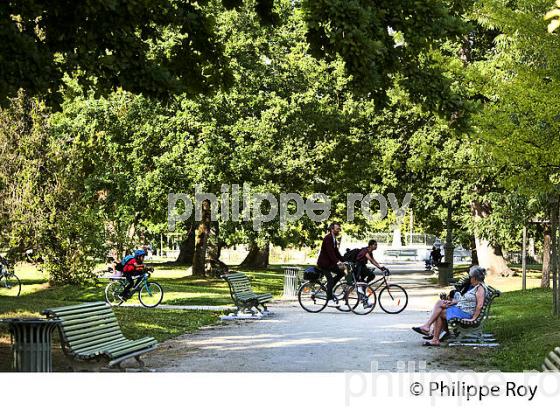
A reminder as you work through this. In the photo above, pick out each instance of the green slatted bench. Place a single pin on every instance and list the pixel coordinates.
(472, 333)
(242, 293)
(552, 362)
(90, 334)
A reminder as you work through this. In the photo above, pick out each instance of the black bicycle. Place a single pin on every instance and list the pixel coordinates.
(362, 298)
(312, 294)
(10, 285)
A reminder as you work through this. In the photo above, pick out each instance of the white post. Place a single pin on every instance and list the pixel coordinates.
(524, 259)
(411, 225)
(397, 241)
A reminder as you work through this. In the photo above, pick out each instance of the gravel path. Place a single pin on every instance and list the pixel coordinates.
(295, 341)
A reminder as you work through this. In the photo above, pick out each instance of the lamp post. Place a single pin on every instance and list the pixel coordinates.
(524, 259)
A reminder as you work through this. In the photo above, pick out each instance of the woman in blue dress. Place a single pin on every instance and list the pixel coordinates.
(467, 307)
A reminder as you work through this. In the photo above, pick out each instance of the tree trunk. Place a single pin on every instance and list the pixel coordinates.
(186, 248)
(474, 255)
(257, 257)
(214, 266)
(554, 256)
(491, 258)
(201, 241)
(545, 281)
(489, 255)
(214, 246)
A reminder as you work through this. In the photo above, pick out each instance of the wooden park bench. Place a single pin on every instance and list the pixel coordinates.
(243, 296)
(91, 335)
(472, 333)
(552, 362)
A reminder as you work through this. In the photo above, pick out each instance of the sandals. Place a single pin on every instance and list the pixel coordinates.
(430, 344)
(443, 336)
(421, 331)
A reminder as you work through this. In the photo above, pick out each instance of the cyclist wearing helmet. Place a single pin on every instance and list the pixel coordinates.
(133, 267)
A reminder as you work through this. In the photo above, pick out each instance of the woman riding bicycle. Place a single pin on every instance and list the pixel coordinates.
(133, 267)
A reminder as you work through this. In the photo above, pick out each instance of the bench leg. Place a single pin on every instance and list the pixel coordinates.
(140, 362)
(265, 311)
(475, 337)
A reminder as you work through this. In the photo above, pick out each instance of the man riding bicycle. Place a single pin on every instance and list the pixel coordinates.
(364, 256)
(133, 268)
(330, 260)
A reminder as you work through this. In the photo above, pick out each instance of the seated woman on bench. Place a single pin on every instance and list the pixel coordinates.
(466, 307)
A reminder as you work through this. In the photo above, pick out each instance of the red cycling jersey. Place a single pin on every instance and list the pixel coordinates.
(130, 266)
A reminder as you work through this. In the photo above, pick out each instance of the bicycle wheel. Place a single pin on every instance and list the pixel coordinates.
(112, 292)
(150, 294)
(10, 285)
(361, 298)
(339, 291)
(312, 297)
(393, 299)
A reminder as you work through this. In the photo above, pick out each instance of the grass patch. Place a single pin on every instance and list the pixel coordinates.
(526, 329)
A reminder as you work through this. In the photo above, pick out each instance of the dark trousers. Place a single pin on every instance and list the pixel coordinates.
(363, 273)
(130, 276)
(333, 275)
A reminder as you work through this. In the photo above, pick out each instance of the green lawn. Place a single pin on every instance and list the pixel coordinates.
(523, 324)
(135, 321)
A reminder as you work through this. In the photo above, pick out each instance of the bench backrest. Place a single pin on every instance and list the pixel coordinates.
(238, 283)
(86, 325)
(552, 361)
(491, 294)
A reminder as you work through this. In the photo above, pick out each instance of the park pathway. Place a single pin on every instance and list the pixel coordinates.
(293, 340)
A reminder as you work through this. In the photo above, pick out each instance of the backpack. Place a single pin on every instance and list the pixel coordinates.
(120, 265)
(351, 255)
(312, 274)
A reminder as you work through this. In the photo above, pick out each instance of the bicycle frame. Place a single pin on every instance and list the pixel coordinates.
(381, 282)
(384, 283)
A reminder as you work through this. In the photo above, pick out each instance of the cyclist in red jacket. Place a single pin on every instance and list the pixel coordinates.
(133, 268)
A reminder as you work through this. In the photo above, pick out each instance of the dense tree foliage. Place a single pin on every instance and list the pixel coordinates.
(164, 47)
(290, 96)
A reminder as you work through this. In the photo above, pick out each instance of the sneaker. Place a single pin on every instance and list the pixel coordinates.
(333, 302)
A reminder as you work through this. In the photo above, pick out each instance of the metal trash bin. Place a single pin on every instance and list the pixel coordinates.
(31, 343)
(292, 277)
(445, 273)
